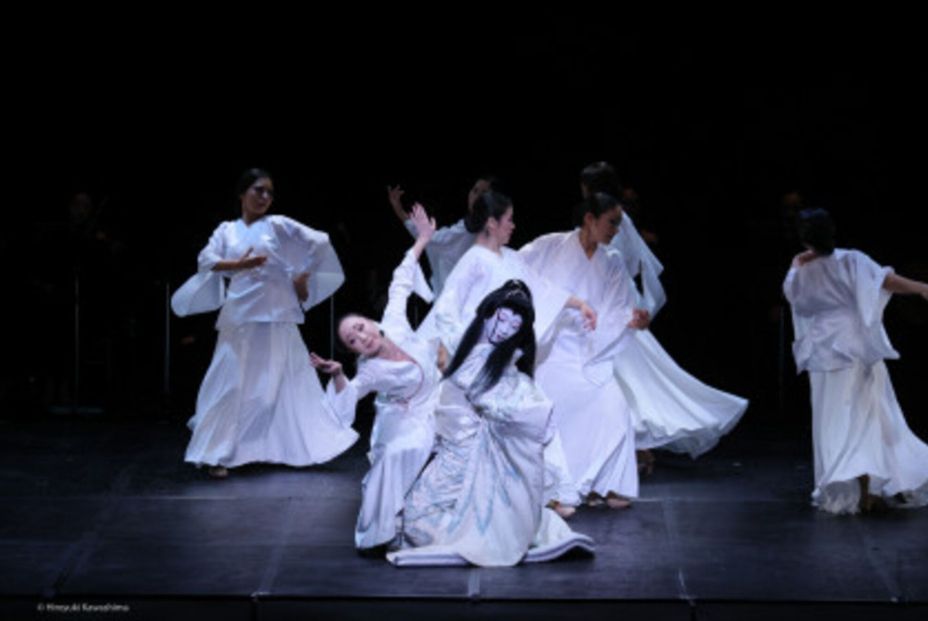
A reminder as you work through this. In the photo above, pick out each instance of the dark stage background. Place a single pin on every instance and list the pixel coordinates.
(156, 118)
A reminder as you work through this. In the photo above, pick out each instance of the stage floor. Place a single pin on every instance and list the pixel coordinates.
(99, 513)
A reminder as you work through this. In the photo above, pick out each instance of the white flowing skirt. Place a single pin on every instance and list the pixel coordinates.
(595, 429)
(670, 408)
(401, 443)
(479, 501)
(261, 401)
(858, 429)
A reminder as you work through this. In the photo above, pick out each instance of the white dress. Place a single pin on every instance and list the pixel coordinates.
(575, 365)
(261, 400)
(447, 246)
(857, 425)
(670, 408)
(476, 274)
(404, 429)
(479, 500)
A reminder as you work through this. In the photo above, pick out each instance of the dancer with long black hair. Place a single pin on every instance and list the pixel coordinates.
(480, 499)
(487, 265)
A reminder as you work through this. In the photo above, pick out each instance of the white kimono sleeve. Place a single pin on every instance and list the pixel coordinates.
(407, 279)
(205, 291)
(639, 259)
(802, 347)
(344, 404)
(872, 298)
(307, 250)
(450, 322)
(617, 305)
(548, 298)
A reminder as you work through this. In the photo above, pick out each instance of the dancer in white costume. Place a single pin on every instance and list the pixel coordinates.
(487, 265)
(261, 401)
(638, 257)
(480, 499)
(670, 408)
(865, 454)
(575, 365)
(449, 243)
(401, 367)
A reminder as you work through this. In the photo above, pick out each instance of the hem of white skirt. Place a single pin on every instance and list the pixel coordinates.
(447, 558)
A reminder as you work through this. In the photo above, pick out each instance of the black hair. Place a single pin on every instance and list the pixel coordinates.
(597, 204)
(601, 177)
(817, 230)
(490, 204)
(247, 180)
(514, 295)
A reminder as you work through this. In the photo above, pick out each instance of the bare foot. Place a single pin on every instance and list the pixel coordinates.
(594, 500)
(615, 501)
(565, 511)
(218, 472)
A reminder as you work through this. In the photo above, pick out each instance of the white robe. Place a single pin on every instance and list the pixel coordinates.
(479, 272)
(480, 500)
(575, 365)
(447, 246)
(857, 425)
(404, 429)
(476, 274)
(260, 400)
(670, 408)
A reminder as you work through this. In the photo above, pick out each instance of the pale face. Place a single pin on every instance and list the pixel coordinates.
(502, 325)
(360, 335)
(603, 228)
(257, 199)
(501, 230)
(480, 186)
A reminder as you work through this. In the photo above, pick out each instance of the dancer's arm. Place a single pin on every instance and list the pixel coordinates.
(246, 261)
(425, 228)
(895, 283)
(330, 367)
(394, 194)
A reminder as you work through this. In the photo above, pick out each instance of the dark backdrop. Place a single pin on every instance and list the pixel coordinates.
(156, 117)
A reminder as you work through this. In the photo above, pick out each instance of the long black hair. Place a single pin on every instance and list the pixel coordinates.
(597, 204)
(490, 204)
(817, 230)
(514, 295)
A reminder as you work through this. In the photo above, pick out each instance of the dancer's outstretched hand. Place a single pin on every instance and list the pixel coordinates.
(329, 367)
(425, 226)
